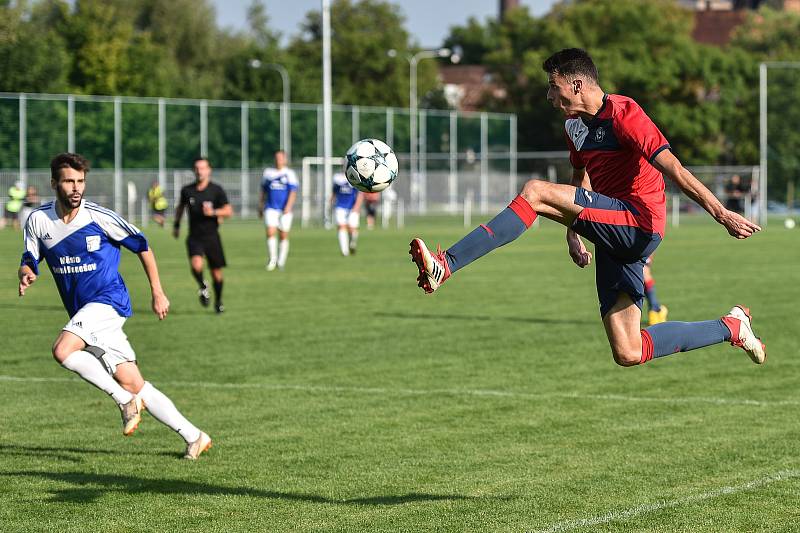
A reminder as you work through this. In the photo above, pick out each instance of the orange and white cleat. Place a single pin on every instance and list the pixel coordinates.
(739, 322)
(131, 415)
(433, 268)
(194, 449)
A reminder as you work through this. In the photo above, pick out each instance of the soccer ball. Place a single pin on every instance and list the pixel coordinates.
(370, 165)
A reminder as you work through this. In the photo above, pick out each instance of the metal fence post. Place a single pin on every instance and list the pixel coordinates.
(389, 126)
(203, 128)
(355, 124)
(23, 147)
(117, 154)
(512, 156)
(245, 170)
(71, 124)
(162, 143)
(452, 178)
(422, 161)
(484, 163)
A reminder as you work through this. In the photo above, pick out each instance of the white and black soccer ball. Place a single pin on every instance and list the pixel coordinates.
(370, 165)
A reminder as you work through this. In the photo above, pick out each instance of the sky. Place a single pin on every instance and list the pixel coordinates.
(428, 21)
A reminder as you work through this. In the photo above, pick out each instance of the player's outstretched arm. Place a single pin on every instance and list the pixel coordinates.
(736, 224)
(160, 302)
(26, 278)
(577, 249)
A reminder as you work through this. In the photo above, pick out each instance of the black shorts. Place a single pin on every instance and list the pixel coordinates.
(208, 245)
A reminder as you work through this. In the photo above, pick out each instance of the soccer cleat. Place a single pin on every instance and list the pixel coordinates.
(203, 294)
(271, 266)
(219, 308)
(738, 322)
(433, 268)
(352, 250)
(131, 415)
(657, 317)
(194, 449)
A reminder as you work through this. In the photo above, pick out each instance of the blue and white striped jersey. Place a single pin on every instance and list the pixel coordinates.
(83, 255)
(277, 185)
(345, 193)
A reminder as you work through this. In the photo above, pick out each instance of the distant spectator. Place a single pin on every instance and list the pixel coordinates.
(16, 195)
(30, 203)
(735, 192)
(158, 204)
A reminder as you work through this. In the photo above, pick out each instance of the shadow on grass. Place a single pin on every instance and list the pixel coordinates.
(88, 487)
(482, 318)
(74, 455)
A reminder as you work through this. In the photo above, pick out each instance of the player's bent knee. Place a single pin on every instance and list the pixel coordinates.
(533, 191)
(627, 358)
(61, 351)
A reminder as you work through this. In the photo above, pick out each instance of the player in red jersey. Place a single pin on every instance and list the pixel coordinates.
(616, 201)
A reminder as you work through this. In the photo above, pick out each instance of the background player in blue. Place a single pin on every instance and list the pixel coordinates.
(346, 202)
(278, 193)
(81, 242)
(207, 204)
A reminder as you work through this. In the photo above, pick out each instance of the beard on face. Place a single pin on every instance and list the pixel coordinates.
(68, 199)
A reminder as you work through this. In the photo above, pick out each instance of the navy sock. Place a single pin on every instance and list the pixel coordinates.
(652, 299)
(509, 224)
(672, 337)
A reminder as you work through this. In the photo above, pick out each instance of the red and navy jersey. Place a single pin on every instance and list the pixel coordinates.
(617, 147)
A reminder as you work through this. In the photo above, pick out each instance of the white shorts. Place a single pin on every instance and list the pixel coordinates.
(276, 218)
(100, 327)
(346, 217)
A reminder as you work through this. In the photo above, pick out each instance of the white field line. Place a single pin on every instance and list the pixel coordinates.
(441, 392)
(616, 516)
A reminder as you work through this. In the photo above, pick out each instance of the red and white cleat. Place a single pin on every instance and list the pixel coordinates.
(433, 268)
(738, 321)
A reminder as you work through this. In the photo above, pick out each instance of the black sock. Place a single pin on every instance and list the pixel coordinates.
(199, 277)
(218, 292)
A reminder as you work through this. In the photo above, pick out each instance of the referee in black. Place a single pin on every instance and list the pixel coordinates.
(207, 204)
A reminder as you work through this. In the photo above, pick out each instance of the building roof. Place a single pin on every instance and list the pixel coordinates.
(716, 26)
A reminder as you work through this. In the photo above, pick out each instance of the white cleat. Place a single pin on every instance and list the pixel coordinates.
(194, 449)
(131, 415)
(271, 266)
(742, 335)
(433, 268)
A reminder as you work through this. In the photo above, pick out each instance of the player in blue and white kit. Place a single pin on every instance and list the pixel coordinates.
(278, 193)
(346, 202)
(81, 242)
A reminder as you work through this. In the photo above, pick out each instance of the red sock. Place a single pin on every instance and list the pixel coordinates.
(647, 347)
(523, 210)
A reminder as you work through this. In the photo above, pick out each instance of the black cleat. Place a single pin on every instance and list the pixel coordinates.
(204, 296)
(219, 308)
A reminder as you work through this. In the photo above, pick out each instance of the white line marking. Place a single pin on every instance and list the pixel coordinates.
(647, 508)
(443, 392)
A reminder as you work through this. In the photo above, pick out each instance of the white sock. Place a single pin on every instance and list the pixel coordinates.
(353, 238)
(272, 246)
(89, 368)
(343, 244)
(165, 412)
(283, 252)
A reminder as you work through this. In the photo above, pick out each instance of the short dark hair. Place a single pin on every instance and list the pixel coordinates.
(200, 158)
(571, 62)
(67, 160)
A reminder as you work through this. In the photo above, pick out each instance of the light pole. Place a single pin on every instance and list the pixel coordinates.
(413, 60)
(286, 138)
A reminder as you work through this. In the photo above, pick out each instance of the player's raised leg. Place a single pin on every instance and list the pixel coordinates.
(631, 346)
(550, 200)
(161, 407)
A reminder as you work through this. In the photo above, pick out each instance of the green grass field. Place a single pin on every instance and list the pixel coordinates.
(340, 398)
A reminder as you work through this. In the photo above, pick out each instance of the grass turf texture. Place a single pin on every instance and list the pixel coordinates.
(341, 398)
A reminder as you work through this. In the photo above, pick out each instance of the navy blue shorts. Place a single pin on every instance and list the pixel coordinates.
(621, 247)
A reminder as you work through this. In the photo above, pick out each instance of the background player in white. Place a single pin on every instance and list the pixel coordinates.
(346, 202)
(81, 242)
(278, 193)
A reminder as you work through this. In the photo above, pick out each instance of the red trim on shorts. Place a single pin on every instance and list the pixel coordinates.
(523, 209)
(607, 216)
(488, 229)
(649, 284)
(647, 347)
